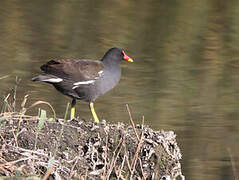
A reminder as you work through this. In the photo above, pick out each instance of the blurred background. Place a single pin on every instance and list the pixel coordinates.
(185, 76)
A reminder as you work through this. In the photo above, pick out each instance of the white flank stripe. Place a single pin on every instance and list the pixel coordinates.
(77, 84)
(84, 82)
(75, 87)
(53, 80)
(100, 72)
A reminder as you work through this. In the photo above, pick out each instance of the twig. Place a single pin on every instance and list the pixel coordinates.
(122, 164)
(71, 172)
(142, 122)
(132, 122)
(141, 167)
(128, 164)
(23, 104)
(117, 156)
(19, 160)
(19, 117)
(61, 132)
(42, 102)
(133, 163)
(6, 103)
(48, 173)
(86, 174)
(3, 139)
(3, 77)
(114, 158)
(15, 137)
(137, 151)
(234, 169)
(106, 145)
(27, 150)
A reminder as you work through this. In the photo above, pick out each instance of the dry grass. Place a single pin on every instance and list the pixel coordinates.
(34, 147)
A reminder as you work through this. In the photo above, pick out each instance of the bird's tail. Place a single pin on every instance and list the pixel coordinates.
(47, 78)
(42, 77)
(37, 78)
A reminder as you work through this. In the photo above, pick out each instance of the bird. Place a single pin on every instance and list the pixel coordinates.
(84, 79)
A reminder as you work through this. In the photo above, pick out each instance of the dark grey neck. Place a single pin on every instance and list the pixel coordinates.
(112, 67)
(112, 62)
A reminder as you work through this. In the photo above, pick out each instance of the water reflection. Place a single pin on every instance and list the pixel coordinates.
(185, 76)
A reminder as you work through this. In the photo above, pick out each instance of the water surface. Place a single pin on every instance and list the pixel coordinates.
(185, 76)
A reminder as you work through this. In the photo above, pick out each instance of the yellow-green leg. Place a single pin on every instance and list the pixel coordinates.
(93, 112)
(73, 108)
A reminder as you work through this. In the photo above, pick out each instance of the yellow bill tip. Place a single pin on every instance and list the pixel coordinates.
(130, 60)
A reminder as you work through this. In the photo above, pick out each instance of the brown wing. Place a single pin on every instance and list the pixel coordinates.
(74, 70)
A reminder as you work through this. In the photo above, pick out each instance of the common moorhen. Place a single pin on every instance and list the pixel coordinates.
(84, 79)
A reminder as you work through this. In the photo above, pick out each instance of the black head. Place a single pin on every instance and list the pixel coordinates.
(116, 55)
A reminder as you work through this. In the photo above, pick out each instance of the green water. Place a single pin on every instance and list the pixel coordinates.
(185, 76)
